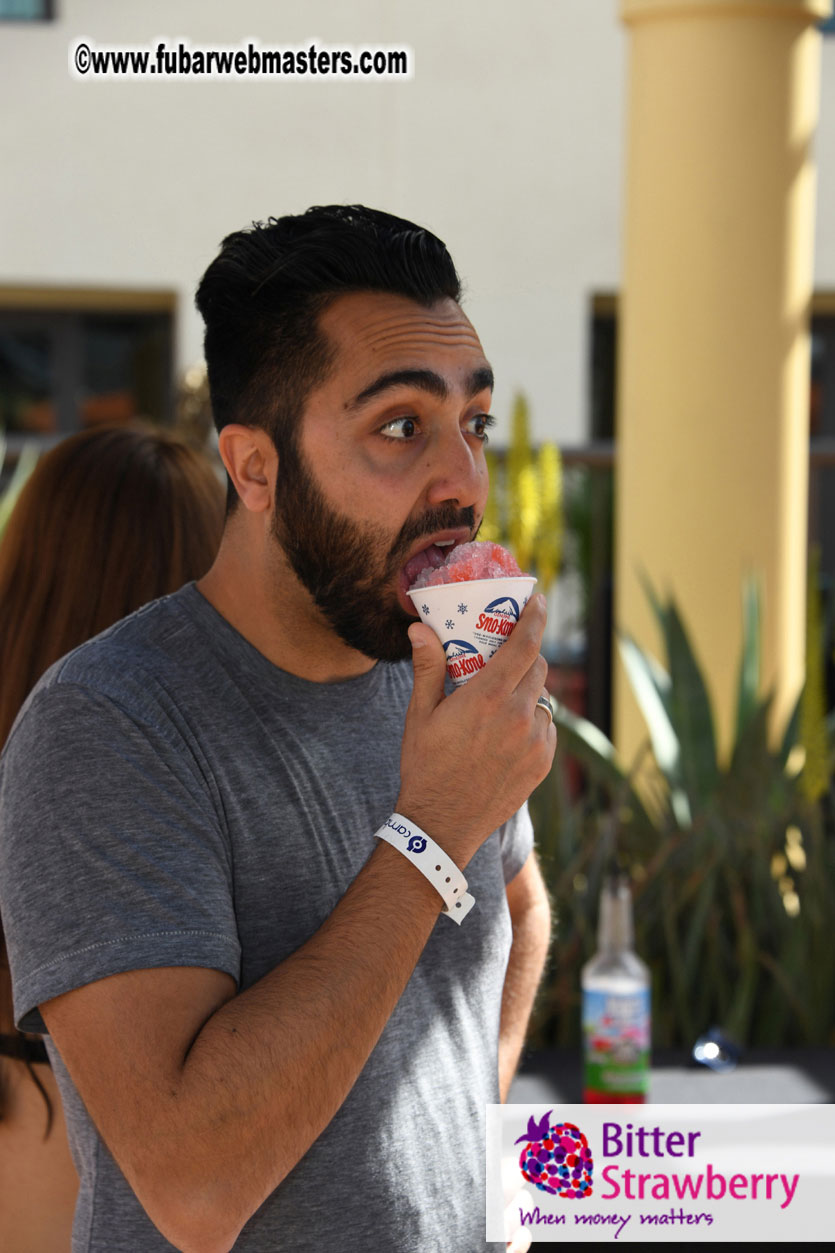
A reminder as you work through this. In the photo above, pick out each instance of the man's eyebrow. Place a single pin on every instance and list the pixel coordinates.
(424, 380)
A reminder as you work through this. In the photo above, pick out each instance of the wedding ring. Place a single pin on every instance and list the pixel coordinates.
(544, 702)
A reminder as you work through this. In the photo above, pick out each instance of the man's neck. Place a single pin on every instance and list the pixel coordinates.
(268, 606)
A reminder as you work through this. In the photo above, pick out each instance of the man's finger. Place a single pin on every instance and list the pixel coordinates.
(429, 665)
(532, 684)
(544, 703)
(518, 1238)
(509, 664)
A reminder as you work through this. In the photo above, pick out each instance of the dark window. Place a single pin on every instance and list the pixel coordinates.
(604, 352)
(27, 10)
(822, 431)
(63, 370)
(822, 478)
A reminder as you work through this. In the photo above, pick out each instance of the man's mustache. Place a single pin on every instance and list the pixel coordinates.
(440, 519)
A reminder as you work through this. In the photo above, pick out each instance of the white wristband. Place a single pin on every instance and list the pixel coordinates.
(431, 861)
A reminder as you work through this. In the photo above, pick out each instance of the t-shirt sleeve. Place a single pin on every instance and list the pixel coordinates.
(516, 837)
(113, 855)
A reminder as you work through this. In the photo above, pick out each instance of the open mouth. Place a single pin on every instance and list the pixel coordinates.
(434, 555)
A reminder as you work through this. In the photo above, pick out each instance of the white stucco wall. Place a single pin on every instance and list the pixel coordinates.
(507, 143)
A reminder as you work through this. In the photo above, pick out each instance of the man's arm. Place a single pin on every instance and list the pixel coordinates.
(208, 1099)
(530, 915)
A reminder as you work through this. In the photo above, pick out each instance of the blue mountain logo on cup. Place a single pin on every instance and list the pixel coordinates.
(499, 617)
(505, 607)
(462, 658)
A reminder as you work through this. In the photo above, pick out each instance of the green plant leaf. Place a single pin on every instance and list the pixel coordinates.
(749, 667)
(642, 675)
(697, 922)
(691, 715)
(593, 750)
(746, 782)
(652, 691)
(792, 731)
(658, 609)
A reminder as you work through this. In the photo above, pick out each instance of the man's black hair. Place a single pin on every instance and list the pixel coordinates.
(263, 294)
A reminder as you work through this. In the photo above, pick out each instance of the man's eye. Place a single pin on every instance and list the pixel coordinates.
(480, 424)
(400, 428)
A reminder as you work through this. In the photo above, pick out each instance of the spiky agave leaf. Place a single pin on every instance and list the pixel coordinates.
(691, 714)
(549, 538)
(687, 703)
(598, 755)
(644, 675)
(748, 687)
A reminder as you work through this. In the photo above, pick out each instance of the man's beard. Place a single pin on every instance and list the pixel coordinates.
(351, 570)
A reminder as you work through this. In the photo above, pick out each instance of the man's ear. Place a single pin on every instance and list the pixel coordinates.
(251, 462)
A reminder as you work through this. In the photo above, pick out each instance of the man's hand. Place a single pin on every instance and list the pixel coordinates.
(519, 1238)
(471, 759)
(516, 1199)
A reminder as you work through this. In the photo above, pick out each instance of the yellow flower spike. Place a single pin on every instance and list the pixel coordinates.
(791, 904)
(549, 539)
(795, 852)
(796, 857)
(492, 529)
(519, 459)
(528, 508)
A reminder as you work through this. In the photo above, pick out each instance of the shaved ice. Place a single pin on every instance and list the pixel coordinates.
(476, 560)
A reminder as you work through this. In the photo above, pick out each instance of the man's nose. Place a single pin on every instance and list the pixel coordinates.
(458, 472)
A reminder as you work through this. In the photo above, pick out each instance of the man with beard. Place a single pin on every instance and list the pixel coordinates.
(265, 1035)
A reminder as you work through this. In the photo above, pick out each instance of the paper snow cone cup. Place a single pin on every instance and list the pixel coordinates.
(472, 619)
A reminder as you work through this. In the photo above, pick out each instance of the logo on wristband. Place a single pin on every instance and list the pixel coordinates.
(415, 843)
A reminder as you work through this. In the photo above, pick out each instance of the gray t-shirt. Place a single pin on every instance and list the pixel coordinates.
(169, 797)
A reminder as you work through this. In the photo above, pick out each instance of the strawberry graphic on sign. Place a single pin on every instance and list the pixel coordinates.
(557, 1158)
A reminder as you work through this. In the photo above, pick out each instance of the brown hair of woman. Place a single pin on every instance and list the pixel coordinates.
(109, 519)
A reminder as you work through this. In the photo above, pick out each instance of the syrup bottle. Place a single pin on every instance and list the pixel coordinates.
(616, 1006)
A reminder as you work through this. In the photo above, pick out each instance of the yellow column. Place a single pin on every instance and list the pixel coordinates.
(714, 349)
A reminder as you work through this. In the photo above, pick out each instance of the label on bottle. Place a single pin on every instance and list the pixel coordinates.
(616, 1043)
